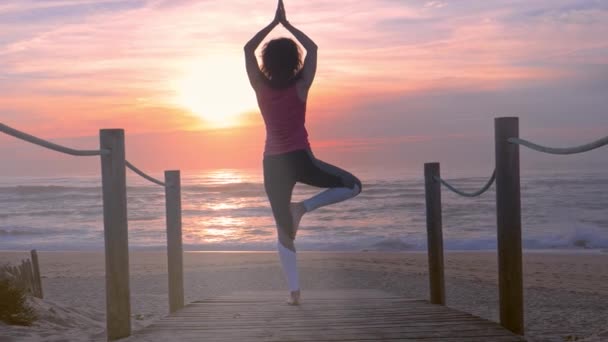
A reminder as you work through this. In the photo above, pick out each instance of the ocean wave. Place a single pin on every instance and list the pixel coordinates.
(40, 213)
(27, 231)
(387, 216)
(223, 188)
(62, 190)
(146, 217)
(392, 244)
(580, 238)
(43, 189)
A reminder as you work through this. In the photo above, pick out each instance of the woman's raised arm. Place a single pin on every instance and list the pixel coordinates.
(251, 62)
(309, 69)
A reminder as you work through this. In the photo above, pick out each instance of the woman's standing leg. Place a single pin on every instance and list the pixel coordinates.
(279, 182)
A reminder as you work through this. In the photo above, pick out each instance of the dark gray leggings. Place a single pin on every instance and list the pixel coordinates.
(283, 171)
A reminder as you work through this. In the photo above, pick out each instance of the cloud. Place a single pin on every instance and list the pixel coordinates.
(435, 4)
(385, 66)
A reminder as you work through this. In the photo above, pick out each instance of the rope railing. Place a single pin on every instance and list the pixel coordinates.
(506, 176)
(469, 194)
(551, 150)
(113, 181)
(561, 150)
(40, 142)
(141, 173)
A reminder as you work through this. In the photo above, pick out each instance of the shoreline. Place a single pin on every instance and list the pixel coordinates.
(464, 251)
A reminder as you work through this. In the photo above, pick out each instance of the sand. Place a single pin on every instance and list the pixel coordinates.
(566, 293)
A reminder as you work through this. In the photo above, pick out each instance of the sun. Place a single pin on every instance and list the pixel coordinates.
(216, 90)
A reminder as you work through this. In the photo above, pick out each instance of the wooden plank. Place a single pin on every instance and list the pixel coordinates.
(323, 316)
(170, 336)
(316, 294)
(508, 218)
(341, 333)
(411, 320)
(462, 325)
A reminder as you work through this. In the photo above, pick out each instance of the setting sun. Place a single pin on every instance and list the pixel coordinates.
(216, 90)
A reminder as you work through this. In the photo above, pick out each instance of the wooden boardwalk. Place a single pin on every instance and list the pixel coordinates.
(350, 315)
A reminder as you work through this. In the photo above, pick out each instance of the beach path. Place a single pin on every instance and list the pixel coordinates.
(337, 315)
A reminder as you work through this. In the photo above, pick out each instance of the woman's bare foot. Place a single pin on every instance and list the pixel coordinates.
(294, 298)
(297, 211)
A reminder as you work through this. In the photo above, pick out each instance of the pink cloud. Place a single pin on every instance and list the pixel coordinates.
(63, 78)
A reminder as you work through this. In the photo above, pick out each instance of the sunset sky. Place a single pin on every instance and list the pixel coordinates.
(399, 82)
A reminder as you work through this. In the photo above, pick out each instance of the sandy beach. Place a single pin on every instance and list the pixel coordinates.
(566, 293)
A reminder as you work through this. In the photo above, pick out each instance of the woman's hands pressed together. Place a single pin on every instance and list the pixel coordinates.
(280, 17)
(310, 62)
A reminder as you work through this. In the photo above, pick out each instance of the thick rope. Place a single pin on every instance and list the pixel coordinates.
(37, 141)
(469, 194)
(40, 142)
(565, 150)
(141, 173)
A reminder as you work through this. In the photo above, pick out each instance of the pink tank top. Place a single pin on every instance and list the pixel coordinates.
(284, 114)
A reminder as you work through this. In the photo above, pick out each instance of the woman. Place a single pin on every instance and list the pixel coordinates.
(281, 88)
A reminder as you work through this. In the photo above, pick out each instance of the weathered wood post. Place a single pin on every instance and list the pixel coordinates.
(173, 204)
(508, 217)
(37, 277)
(33, 287)
(32, 278)
(434, 232)
(118, 304)
(29, 283)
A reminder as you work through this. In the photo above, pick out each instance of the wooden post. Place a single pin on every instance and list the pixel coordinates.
(26, 276)
(175, 266)
(118, 305)
(37, 277)
(434, 232)
(30, 277)
(508, 217)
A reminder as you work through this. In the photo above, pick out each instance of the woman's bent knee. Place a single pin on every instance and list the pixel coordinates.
(356, 190)
(356, 185)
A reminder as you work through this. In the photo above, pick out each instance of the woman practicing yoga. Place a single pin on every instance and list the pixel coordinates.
(281, 87)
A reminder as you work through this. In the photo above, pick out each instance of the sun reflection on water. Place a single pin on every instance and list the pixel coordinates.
(214, 203)
(216, 229)
(224, 221)
(224, 206)
(225, 177)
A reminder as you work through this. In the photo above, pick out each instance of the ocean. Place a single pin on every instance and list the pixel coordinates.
(228, 210)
